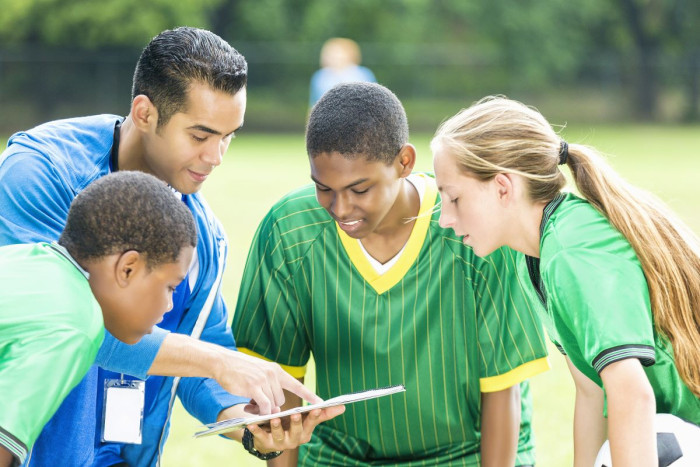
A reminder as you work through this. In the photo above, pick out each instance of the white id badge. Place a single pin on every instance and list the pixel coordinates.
(122, 414)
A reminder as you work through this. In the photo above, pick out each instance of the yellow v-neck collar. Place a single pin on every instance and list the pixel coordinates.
(382, 283)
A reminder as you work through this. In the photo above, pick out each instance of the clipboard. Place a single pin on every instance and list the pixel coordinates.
(237, 423)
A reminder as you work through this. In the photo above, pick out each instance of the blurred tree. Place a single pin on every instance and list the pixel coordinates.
(687, 44)
(426, 48)
(92, 24)
(664, 38)
(223, 18)
(646, 21)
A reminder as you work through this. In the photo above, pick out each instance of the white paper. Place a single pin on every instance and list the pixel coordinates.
(236, 423)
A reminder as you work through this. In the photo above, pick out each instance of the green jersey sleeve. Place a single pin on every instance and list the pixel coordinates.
(603, 317)
(267, 321)
(511, 338)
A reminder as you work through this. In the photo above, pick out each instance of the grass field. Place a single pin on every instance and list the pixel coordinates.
(260, 168)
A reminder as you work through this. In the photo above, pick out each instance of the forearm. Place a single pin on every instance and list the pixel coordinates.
(237, 411)
(182, 355)
(631, 408)
(589, 422)
(589, 428)
(500, 426)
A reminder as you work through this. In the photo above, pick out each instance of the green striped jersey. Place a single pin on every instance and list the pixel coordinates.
(441, 321)
(597, 298)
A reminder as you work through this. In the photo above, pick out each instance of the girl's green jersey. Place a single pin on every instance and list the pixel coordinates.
(597, 298)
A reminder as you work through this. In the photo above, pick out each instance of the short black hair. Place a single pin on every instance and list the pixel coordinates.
(358, 119)
(126, 211)
(176, 58)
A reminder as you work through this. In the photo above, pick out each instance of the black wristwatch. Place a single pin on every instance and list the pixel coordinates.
(249, 445)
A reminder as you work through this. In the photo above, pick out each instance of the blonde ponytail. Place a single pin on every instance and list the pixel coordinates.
(667, 249)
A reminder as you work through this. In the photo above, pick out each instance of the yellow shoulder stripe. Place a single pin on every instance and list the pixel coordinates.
(514, 376)
(296, 371)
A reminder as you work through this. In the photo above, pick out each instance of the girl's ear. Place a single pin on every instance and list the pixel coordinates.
(505, 186)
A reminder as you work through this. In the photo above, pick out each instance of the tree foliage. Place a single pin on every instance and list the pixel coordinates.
(96, 23)
(526, 43)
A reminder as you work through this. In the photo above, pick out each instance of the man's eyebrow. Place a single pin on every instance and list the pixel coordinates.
(356, 182)
(206, 129)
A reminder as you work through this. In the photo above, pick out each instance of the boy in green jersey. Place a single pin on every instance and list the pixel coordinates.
(356, 270)
(126, 245)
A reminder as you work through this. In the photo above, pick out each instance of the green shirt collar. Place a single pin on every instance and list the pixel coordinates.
(63, 252)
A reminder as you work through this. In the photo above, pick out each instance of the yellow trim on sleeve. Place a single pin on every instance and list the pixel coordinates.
(296, 371)
(514, 376)
(382, 283)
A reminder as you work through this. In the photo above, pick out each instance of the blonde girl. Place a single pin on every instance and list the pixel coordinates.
(617, 272)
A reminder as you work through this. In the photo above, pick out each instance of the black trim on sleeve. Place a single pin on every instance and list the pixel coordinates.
(645, 353)
(16, 447)
(560, 348)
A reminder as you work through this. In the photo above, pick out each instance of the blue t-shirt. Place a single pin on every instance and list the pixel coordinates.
(325, 78)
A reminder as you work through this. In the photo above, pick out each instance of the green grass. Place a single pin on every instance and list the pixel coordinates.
(261, 168)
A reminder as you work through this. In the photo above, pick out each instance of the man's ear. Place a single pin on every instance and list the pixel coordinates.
(143, 113)
(406, 159)
(127, 265)
(504, 186)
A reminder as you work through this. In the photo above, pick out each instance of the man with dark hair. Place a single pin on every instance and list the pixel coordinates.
(119, 248)
(356, 270)
(188, 101)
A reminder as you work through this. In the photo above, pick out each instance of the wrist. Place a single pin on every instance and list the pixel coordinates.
(249, 445)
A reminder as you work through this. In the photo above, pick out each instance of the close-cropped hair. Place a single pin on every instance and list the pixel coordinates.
(358, 120)
(126, 211)
(498, 135)
(177, 58)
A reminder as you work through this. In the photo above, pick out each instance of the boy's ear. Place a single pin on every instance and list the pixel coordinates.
(407, 159)
(128, 264)
(144, 113)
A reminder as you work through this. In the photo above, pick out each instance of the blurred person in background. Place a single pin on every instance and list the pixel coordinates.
(340, 63)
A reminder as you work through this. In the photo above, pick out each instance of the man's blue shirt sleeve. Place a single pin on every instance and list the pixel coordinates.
(34, 200)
